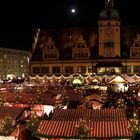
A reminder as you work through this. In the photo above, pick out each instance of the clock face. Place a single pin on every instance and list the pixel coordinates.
(109, 34)
(108, 31)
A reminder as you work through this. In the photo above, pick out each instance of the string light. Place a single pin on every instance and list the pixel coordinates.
(134, 123)
(82, 128)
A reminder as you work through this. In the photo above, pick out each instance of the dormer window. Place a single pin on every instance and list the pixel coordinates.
(80, 43)
(50, 51)
(49, 44)
(80, 51)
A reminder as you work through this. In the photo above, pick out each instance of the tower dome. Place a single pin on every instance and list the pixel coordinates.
(109, 12)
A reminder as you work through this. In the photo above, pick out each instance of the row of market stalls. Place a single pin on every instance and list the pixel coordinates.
(103, 124)
(77, 78)
(123, 81)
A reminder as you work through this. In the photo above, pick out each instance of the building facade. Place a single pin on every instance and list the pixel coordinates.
(108, 48)
(14, 63)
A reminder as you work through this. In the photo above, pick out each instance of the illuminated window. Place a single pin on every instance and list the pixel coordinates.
(45, 70)
(51, 55)
(36, 70)
(136, 54)
(56, 70)
(136, 69)
(80, 55)
(91, 69)
(127, 69)
(69, 70)
(81, 69)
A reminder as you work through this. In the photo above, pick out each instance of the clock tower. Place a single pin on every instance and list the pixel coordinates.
(109, 31)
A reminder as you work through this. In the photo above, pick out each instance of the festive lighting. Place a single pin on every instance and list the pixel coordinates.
(134, 123)
(139, 93)
(103, 97)
(121, 104)
(8, 125)
(82, 128)
(103, 88)
(33, 123)
(77, 82)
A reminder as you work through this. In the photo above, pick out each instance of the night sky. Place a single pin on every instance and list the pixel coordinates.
(19, 20)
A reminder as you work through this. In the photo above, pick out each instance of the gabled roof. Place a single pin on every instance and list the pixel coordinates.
(118, 79)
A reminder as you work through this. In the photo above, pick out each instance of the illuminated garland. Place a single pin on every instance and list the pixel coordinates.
(103, 97)
(87, 105)
(82, 128)
(39, 97)
(134, 125)
(32, 124)
(121, 104)
(2, 99)
(18, 98)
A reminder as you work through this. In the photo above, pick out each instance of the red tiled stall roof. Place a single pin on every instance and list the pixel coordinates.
(95, 115)
(10, 111)
(26, 98)
(99, 129)
(14, 113)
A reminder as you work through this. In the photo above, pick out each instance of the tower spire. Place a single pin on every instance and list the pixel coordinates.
(109, 3)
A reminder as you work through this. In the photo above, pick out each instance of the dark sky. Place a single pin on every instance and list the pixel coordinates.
(19, 20)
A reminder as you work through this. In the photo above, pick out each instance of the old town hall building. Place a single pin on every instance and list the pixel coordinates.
(107, 49)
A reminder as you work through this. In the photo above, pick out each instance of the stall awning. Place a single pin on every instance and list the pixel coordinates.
(99, 129)
(109, 64)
